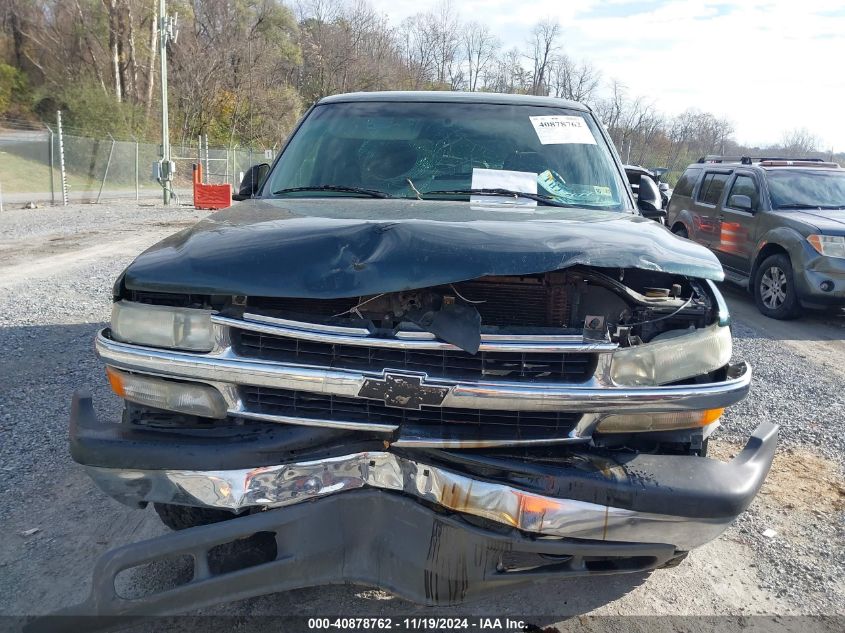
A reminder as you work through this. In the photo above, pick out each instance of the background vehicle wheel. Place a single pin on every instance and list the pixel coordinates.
(774, 288)
(681, 231)
(184, 517)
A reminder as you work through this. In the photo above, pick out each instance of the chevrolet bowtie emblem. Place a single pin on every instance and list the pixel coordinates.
(407, 391)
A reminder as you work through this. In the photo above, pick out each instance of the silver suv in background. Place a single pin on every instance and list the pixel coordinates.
(777, 226)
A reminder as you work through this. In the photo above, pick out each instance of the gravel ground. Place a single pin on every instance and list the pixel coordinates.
(804, 496)
(57, 267)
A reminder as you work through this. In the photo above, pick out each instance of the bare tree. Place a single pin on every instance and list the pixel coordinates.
(610, 109)
(132, 58)
(112, 11)
(89, 46)
(349, 46)
(480, 47)
(543, 45)
(46, 42)
(679, 133)
(231, 57)
(417, 45)
(633, 123)
(445, 25)
(571, 80)
(153, 53)
(242, 69)
(507, 74)
(799, 142)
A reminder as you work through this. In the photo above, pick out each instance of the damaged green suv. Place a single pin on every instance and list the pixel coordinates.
(435, 350)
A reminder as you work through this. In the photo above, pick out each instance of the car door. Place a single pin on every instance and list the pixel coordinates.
(737, 225)
(705, 216)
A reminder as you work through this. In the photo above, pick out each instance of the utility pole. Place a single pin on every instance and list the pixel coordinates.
(167, 33)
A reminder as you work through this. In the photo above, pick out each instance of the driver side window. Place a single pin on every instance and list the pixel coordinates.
(745, 186)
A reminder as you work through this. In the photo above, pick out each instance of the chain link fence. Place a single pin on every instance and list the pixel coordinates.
(105, 168)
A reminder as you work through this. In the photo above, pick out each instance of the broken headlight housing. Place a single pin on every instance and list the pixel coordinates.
(673, 356)
(162, 326)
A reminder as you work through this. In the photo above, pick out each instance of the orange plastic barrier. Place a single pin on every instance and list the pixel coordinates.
(210, 196)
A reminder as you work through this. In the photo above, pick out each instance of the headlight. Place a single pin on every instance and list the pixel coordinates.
(162, 326)
(828, 245)
(185, 397)
(673, 358)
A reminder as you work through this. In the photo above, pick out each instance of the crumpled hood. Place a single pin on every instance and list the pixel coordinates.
(341, 247)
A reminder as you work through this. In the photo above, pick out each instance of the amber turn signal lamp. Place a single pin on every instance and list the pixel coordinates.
(116, 381)
(645, 422)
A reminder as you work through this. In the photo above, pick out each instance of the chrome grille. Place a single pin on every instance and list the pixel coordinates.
(303, 404)
(568, 367)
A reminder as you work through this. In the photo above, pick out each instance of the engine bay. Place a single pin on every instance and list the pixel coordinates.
(624, 306)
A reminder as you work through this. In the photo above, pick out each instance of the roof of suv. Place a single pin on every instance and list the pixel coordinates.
(764, 162)
(454, 97)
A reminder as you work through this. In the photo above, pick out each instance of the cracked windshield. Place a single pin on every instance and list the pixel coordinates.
(451, 151)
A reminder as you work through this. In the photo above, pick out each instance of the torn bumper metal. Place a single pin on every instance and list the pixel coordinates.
(682, 501)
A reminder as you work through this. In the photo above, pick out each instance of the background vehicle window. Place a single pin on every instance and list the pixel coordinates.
(744, 186)
(807, 188)
(686, 183)
(712, 188)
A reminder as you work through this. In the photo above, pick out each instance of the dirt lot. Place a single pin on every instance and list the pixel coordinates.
(56, 271)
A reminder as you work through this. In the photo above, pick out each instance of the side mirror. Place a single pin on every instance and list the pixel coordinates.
(252, 181)
(740, 201)
(648, 199)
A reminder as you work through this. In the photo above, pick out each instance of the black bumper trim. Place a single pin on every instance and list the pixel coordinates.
(679, 485)
(364, 537)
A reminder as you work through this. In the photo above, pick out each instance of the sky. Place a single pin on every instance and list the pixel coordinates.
(768, 66)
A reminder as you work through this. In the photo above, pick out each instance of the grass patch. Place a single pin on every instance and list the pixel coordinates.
(25, 175)
(19, 175)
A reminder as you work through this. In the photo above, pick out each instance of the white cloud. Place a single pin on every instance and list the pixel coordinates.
(767, 65)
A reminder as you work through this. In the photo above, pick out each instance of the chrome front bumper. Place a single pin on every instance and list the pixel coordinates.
(276, 486)
(407, 519)
(730, 487)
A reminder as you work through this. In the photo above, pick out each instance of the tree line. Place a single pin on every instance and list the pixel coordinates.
(243, 71)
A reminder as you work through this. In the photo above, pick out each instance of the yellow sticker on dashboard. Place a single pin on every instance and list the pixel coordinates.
(602, 191)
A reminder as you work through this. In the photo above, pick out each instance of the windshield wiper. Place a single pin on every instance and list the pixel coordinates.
(373, 193)
(537, 197)
(801, 205)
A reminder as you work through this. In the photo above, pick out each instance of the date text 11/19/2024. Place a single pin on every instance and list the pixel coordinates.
(480, 623)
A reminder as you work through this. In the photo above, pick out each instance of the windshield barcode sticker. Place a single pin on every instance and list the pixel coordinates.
(559, 130)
